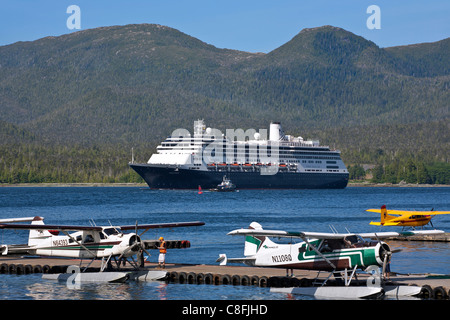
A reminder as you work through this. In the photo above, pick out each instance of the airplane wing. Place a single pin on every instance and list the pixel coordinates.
(288, 234)
(392, 212)
(26, 219)
(48, 227)
(425, 213)
(163, 225)
(388, 234)
(438, 212)
(6, 224)
(405, 212)
(326, 235)
(389, 223)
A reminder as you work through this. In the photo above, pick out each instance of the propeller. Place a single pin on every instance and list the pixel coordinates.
(387, 257)
(139, 246)
(136, 245)
(385, 253)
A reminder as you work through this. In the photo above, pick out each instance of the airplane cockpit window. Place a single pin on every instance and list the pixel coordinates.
(110, 231)
(89, 238)
(78, 239)
(327, 246)
(352, 241)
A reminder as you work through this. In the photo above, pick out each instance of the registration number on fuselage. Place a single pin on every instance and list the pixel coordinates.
(282, 258)
(60, 243)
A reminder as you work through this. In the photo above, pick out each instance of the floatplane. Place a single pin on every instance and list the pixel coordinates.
(89, 242)
(341, 254)
(405, 218)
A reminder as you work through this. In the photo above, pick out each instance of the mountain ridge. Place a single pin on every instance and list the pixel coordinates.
(132, 85)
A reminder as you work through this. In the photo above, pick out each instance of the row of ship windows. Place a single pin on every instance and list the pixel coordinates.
(330, 165)
(177, 143)
(296, 159)
(241, 151)
(236, 160)
(321, 170)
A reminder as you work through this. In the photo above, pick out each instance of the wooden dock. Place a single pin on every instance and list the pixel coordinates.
(433, 286)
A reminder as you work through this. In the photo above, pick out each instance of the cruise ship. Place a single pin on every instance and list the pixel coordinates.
(251, 160)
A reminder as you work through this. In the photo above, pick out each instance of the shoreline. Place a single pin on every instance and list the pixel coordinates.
(78, 184)
(144, 185)
(401, 185)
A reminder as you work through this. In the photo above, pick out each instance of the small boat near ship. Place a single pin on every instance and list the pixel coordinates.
(225, 186)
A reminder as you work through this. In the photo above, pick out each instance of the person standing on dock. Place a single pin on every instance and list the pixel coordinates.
(387, 271)
(162, 253)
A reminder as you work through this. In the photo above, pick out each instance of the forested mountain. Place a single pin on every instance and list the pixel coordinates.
(99, 92)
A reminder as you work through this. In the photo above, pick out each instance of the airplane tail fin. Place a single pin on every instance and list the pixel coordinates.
(385, 217)
(222, 259)
(383, 214)
(253, 243)
(36, 236)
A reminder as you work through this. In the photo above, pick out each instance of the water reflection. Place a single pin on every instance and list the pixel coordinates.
(299, 210)
(420, 257)
(53, 290)
(162, 291)
(415, 246)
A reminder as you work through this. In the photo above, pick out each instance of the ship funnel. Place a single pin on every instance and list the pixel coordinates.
(199, 127)
(276, 133)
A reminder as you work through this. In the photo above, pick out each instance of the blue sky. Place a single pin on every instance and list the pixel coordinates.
(248, 25)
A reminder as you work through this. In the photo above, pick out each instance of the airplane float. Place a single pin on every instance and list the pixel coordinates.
(405, 218)
(333, 252)
(86, 242)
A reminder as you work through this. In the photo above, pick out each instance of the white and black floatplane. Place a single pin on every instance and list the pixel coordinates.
(340, 254)
(108, 243)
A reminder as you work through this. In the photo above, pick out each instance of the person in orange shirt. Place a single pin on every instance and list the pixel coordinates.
(162, 253)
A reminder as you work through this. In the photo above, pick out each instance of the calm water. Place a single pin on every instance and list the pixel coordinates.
(308, 210)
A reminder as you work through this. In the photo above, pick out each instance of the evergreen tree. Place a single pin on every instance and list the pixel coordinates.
(377, 174)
